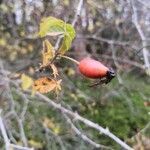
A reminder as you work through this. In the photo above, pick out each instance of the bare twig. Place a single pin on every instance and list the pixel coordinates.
(58, 139)
(141, 33)
(109, 41)
(122, 60)
(84, 120)
(4, 134)
(8, 145)
(116, 63)
(83, 136)
(20, 121)
(77, 14)
(20, 147)
(79, 7)
(144, 4)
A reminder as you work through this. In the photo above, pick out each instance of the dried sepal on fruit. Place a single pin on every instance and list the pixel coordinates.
(45, 85)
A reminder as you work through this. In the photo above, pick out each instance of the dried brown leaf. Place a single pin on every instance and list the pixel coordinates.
(45, 85)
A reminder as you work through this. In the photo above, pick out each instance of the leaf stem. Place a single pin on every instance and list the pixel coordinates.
(69, 58)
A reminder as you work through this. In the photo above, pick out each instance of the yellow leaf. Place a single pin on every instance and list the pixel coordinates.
(55, 71)
(57, 130)
(48, 52)
(70, 71)
(35, 144)
(26, 82)
(49, 123)
(3, 42)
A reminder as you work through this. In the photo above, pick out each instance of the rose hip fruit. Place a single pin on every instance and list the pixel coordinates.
(92, 68)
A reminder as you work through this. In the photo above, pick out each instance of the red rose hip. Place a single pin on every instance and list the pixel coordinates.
(92, 68)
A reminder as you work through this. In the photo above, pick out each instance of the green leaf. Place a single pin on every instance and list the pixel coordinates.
(68, 37)
(51, 25)
(26, 82)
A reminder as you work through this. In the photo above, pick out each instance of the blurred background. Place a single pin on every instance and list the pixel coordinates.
(115, 32)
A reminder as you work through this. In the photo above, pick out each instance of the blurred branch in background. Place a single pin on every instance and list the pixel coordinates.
(138, 25)
(8, 145)
(115, 32)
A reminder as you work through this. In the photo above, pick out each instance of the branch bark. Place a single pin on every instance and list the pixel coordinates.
(141, 33)
(87, 122)
(8, 145)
